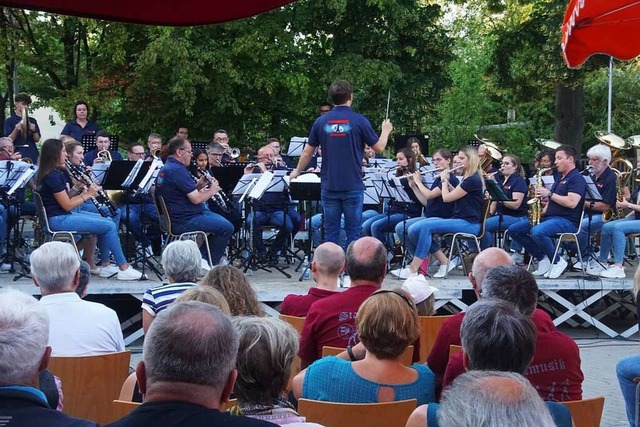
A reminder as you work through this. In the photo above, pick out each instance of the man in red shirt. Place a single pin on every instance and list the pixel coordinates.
(327, 264)
(331, 320)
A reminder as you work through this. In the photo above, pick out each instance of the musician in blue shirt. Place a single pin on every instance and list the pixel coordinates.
(80, 125)
(103, 142)
(25, 139)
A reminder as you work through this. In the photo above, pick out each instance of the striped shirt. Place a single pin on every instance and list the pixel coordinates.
(157, 299)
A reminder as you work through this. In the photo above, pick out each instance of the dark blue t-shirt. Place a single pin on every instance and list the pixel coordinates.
(514, 184)
(342, 134)
(31, 151)
(174, 183)
(634, 200)
(436, 208)
(75, 131)
(606, 184)
(573, 182)
(90, 156)
(469, 207)
(53, 182)
(412, 208)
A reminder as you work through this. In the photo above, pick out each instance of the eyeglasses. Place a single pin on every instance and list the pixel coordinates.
(221, 138)
(184, 149)
(138, 154)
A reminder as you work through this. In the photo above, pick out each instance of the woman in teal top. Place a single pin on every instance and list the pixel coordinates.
(372, 371)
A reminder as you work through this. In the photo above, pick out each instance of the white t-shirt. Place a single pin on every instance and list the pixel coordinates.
(81, 328)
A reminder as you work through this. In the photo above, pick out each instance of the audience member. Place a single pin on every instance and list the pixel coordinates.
(326, 267)
(555, 369)
(187, 370)
(422, 293)
(387, 323)
(266, 351)
(235, 287)
(77, 327)
(24, 332)
(206, 295)
(331, 320)
(181, 263)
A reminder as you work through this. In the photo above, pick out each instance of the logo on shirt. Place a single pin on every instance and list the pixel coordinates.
(337, 127)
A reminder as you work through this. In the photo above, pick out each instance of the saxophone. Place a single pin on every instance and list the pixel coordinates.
(622, 179)
(535, 204)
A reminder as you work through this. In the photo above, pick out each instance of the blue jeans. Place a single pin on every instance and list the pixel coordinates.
(409, 232)
(612, 236)
(439, 226)
(626, 370)
(316, 230)
(538, 241)
(492, 225)
(104, 228)
(3, 228)
(379, 225)
(219, 228)
(88, 206)
(136, 212)
(583, 236)
(287, 224)
(336, 204)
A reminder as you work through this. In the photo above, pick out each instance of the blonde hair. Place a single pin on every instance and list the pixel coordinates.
(388, 323)
(473, 162)
(206, 295)
(235, 287)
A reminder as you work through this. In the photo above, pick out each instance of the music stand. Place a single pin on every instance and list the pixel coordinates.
(308, 192)
(88, 142)
(201, 145)
(296, 146)
(592, 196)
(228, 176)
(497, 194)
(382, 163)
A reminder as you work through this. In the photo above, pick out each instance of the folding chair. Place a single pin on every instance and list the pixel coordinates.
(332, 414)
(49, 235)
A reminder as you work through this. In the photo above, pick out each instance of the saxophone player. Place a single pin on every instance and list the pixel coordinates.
(562, 214)
(605, 179)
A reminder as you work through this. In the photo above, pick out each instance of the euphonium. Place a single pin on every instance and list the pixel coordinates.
(535, 204)
(105, 155)
(621, 181)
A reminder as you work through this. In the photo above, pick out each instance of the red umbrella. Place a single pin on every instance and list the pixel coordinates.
(609, 27)
(153, 12)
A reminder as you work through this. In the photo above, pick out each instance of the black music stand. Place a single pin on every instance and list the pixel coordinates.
(228, 176)
(593, 196)
(89, 142)
(307, 192)
(496, 194)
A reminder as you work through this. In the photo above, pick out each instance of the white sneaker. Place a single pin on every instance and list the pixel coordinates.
(557, 269)
(109, 271)
(595, 269)
(544, 265)
(5, 266)
(402, 273)
(204, 264)
(442, 271)
(613, 272)
(129, 274)
(223, 261)
(95, 271)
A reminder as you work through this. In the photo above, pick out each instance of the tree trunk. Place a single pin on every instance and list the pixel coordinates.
(570, 116)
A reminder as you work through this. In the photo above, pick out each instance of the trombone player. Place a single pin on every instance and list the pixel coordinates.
(103, 142)
(22, 128)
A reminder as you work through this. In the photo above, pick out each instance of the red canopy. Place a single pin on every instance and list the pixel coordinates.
(153, 12)
(609, 27)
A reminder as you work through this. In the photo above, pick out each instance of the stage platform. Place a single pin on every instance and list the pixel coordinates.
(571, 300)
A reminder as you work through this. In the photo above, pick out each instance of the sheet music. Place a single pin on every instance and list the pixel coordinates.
(398, 192)
(24, 177)
(547, 180)
(245, 182)
(150, 177)
(99, 172)
(132, 175)
(246, 191)
(296, 146)
(5, 168)
(261, 186)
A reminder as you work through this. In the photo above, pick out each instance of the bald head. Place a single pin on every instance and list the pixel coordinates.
(367, 260)
(486, 259)
(329, 259)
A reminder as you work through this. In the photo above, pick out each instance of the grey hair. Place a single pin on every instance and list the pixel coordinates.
(215, 146)
(190, 342)
(512, 284)
(267, 348)
(154, 136)
(54, 265)
(181, 260)
(329, 258)
(24, 333)
(493, 399)
(5, 138)
(601, 151)
(497, 337)
(486, 259)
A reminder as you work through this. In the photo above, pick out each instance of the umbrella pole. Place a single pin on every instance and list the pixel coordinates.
(610, 94)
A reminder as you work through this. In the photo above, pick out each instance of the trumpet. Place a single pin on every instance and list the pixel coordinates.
(232, 152)
(105, 155)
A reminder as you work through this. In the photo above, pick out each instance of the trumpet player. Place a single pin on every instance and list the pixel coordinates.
(280, 160)
(605, 179)
(14, 128)
(562, 214)
(222, 137)
(103, 141)
(154, 144)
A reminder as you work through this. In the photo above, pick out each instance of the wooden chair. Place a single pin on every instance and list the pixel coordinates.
(454, 349)
(91, 383)
(429, 328)
(129, 385)
(295, 321)
(332, 414)
(121, 408)
(406, 358)
(586, 412)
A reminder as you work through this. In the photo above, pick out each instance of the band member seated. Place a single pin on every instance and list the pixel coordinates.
(280, 160)
(182, 131)
(467, 211)
(605, 179)
(221, 137)
(505, 214)
(80, 125)
(561, 214)
(613, 238)
(272, 209)
(60, 201)
(26, 138)
(435, 207)
(413, 144)
(397, 211)
(185, 200)
(215, 152)
(154, 145)
(102, 144)
(486, 162)
(141, 208)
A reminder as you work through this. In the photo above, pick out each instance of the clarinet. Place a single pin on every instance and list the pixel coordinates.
(79, 173)
(220, 199)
